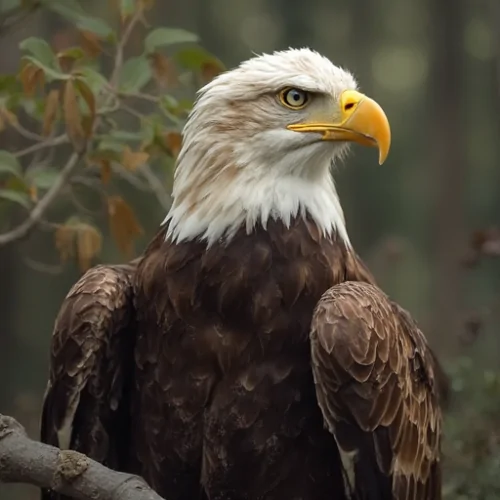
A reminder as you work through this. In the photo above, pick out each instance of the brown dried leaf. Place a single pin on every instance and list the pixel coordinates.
(33, 193)
(50, 112)
(210, 70)
(125, 227)
(64, 240)
(163, 70)
(90, 43)
(72, 116)
(88, 244)
(2, 124)
(131, 159)
(31, 75)
(173, 141)
(89, 99)
(103, 161)
(9, 116)
(105, 171)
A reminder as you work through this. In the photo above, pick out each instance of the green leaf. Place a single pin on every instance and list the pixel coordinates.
(43, 178)
(16, 197)
(73, 53)
(33, 107)
(9, 84)
(9, 164)
(111, 144)
(170, 106)
(41, 51)
(127, 8)
(167, 36)
(50, 73)
(97, 26)
(92, 78)
(135, 74)
(194, 58)
(125, 136)
(73, 12)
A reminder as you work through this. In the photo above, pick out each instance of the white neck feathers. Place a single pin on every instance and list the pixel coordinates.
(217, 191)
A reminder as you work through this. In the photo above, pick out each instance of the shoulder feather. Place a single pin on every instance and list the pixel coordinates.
(91, 352)
(375, 382)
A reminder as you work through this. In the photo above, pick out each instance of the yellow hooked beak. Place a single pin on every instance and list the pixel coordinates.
(362, 121)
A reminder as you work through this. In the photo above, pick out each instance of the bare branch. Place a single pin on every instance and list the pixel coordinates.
(120, 49)
(32, 136)
(134, 180)
(23, 460)
(156, 186)
(48, 143)
(139, 95)
(42, 267)
(42, 206)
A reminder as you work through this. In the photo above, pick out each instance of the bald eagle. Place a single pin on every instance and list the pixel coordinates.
(248, 353)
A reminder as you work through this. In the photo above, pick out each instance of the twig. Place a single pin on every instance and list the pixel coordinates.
(32, 136)
(138, 95)
(120, 49)
(23, 460)
(42, 267)
(156, 186)
(131, 178)
(48, 143)
(41, 207)
(131, 111)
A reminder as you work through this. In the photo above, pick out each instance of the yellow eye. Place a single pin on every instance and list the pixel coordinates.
(294, 98)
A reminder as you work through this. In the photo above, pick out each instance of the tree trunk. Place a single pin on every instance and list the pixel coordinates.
(448, 167)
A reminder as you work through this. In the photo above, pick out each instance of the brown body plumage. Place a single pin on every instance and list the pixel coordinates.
(222, 400)
(247, 354)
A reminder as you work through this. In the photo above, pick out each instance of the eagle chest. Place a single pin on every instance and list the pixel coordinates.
(241, 301)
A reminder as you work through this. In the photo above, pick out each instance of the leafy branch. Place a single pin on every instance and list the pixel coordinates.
(107, 128)
(23, 460)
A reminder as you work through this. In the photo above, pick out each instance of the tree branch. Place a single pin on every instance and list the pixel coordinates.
(48, 143)
(120, 50)
(23, 460)
(42, 206)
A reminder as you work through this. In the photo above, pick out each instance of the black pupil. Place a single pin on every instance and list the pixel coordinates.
(295, 95)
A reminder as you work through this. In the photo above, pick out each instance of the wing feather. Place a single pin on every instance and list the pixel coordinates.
(375, 382)
(85, 405)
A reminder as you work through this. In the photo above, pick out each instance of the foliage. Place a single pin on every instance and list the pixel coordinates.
(91, 115)
(472, 436)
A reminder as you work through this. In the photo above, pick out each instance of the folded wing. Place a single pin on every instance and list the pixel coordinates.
(375, 383)
(86, 402)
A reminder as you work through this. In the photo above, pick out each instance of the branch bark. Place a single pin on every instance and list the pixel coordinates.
(23, 460)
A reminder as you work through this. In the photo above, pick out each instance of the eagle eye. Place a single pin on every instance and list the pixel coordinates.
(294, 98)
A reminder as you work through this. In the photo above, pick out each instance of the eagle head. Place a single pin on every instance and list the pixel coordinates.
(260, 141)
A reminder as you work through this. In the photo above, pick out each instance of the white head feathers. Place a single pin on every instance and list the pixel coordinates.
(240, 165)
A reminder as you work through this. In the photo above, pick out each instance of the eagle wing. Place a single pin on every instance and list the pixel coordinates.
(85, 405)
(375, 383)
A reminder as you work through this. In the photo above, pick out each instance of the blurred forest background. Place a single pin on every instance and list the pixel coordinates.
(426, 222)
